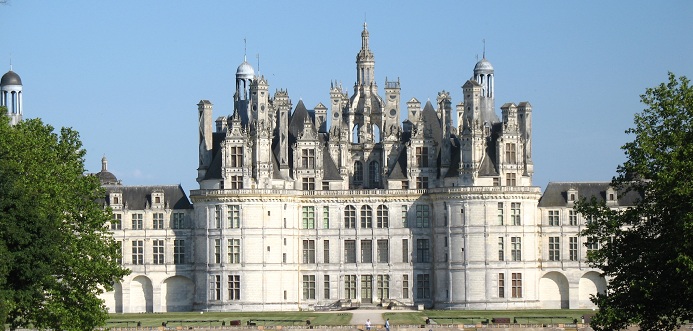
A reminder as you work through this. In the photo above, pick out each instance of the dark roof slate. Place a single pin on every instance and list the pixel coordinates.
(555, 194)
(138, 197)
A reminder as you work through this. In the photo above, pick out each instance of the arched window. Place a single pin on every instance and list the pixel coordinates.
(374, 173)
(367, 217)
(358, 172)
(382, 217)
(350, 217)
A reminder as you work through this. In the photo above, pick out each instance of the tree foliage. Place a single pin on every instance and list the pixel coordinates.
(56, 255)
(646, 251)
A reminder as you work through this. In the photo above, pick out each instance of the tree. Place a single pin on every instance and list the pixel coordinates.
(56, 254)
(646, 251)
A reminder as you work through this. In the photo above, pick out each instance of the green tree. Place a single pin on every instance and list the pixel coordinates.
(646, 251)
(56, 254)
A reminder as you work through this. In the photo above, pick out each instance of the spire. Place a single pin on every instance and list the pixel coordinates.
(104, 164)
(484, 53)
(364, 37)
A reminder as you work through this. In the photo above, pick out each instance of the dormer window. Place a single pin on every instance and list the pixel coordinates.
(572, 196)
(157, 199)
(611, 195)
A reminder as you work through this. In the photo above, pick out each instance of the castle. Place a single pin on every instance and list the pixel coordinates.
(344, 205)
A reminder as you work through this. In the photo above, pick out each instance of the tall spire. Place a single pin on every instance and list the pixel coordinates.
(364, 37)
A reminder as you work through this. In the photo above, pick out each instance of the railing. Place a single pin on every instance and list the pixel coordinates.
(370, 192)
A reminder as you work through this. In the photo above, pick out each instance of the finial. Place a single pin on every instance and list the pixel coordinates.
(258, 62)
(10, 61)
(245, 49)
(484, 41)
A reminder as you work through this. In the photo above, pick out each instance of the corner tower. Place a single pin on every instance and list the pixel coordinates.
(11, 96)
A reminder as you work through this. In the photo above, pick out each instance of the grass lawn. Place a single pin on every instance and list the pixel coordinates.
(216, 318)
(533, 316)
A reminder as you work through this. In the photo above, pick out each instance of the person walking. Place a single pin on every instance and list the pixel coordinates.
(368, 324)
(387, 325)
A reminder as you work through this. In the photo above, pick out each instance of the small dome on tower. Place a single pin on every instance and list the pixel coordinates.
(105, 176)
(245, 71)
(10, 78)
(483, 66)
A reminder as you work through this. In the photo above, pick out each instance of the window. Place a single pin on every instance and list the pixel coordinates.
(501, 285)
(554, 249)
(366, 217)
(137, 221)
(217, 217)
(554, 218)
(349, 251)
(510, 179)
(326, 286)
(234, 286)
(119, 258)
(592, 244)
(236, 182)
(217, 250)
(308, 217)
(405, 184)
(158, 251)
(215, 287)
(117, 222)
(422, 156)
(405, 250)
(178, 251)
(383, 251)
(349, 287)
(404, 216)
(422, 251)
(501, 249)
(366, 251)
(374, 173)
(422, 216)
(326, 251)
(515, 213)
(382, 217)
(325, 217)
(325, 186)
(572, 217)
(516, 280)
(358, 172)
(308, 183)
(366, 288)
(138, 252)
(308, 158)
(510, 153)
(500, 213)
(383, 286)
(350, 217)
(309, 251)
(236, 157)
(421, 182)
(573, 249)
(234, 251)
(177, 221)
(158, 221)
(423, 286)
(308, 287)
(405, 286)
(233, 216)
(516, 248)
(496, 181)
(157, 200)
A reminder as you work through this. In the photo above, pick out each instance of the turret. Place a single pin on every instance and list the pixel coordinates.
(11, 96)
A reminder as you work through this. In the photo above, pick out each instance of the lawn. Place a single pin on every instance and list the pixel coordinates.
(533, 316)
(217, 318)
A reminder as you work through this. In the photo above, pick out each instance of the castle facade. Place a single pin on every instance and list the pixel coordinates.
(345, 205)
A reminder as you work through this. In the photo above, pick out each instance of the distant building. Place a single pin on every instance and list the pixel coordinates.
(11, 96)
(344, 205)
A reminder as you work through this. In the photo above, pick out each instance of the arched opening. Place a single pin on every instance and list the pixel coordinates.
(553, 291)
(141, 298)
(374, 174)
(358, 172)
(591, 283)
(177, 294)
(355, 134)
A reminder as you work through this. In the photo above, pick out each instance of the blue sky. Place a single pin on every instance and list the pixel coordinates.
(128, 74)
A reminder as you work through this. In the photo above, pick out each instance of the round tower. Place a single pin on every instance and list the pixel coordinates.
(11, 96)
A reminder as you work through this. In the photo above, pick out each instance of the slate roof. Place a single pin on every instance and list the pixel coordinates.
(555, 194)
(331, 172)
(137, 197)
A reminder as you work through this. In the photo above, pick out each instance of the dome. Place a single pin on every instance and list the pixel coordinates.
(10, 78)
(105, 176)
(245, 71)
(483, 65)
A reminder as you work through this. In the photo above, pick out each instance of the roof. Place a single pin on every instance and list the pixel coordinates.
(245, 71)
(138, 197)
(10, 78)
(330, 168)
(483, 66)
(556, 193)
